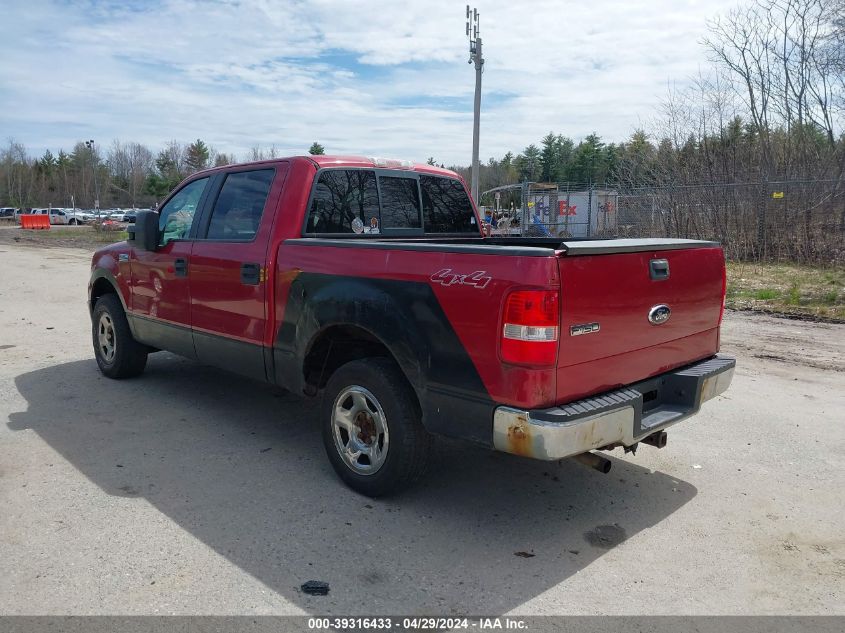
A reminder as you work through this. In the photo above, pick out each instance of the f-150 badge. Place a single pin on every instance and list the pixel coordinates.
(583, 328)
(478, 278)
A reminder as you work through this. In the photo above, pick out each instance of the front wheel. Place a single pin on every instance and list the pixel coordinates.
(118, 354)
(372, 429)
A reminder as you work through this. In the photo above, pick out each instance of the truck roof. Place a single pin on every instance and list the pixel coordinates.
(374, 162)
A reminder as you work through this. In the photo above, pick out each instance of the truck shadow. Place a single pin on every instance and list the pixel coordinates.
(240, 466)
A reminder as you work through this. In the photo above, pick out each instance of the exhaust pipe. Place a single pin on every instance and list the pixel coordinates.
(658, 440)
(594, 461)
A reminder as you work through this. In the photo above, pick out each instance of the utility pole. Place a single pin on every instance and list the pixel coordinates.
(90, 146)
(476, 58)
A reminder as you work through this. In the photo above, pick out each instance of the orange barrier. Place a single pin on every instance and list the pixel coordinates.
(35, 221)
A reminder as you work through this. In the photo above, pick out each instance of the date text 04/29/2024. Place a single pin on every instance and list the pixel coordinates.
(416, 623)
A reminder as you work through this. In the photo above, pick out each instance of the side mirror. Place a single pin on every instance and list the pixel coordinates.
(144, 233)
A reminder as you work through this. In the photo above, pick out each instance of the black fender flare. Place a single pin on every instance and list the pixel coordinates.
(314, 309)
(407, 318)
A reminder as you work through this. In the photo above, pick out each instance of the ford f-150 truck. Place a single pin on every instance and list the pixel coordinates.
(368, 284)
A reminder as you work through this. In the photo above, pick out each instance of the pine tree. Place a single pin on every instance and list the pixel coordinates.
(196, 156)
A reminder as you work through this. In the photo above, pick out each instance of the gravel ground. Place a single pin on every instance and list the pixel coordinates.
(193, 491)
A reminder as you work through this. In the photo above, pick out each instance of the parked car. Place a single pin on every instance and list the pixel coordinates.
(78, 216)
(57, 215)
(129, 216)
(19, 213)
(7, 212)
(367, 285)
(111, 214)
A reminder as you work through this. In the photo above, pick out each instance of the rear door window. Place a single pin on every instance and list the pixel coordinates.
(446, 206)
(240, 205)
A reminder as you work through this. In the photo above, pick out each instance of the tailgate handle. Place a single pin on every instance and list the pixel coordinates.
(659, 269)
(180, 267)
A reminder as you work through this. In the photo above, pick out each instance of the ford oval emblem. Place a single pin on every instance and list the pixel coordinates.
(659, 314)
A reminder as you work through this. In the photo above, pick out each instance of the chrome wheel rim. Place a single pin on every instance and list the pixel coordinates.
(105, 337)
(359, 427)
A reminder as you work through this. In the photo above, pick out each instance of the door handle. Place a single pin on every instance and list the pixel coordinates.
(250, 274)
(181, 267)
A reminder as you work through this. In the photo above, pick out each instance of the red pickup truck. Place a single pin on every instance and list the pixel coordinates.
(369, 284)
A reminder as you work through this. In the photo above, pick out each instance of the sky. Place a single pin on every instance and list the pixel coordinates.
(377, 78)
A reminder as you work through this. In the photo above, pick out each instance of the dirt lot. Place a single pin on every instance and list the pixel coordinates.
(84, 237)
(190, 490)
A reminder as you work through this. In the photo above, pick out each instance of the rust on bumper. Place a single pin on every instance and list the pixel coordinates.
(617, 418)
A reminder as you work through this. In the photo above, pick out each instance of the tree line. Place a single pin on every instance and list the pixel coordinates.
(122, 175)
(750, 152)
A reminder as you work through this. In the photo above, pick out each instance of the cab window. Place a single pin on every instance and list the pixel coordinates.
(400, 203)
(176, 217)
(446, 206)
(344, 201)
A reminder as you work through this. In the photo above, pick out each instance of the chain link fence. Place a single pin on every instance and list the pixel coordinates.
(796, 220)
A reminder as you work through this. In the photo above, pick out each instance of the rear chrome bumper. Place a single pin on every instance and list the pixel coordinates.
(617, 418)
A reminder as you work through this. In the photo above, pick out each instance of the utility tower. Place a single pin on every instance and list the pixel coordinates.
(476, 58)
(90, 146)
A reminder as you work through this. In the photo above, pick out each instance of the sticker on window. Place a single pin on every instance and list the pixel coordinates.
(373, 228)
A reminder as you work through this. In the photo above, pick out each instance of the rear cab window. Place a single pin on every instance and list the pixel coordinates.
(368, 202)
(344, 201)
(446, 206)
(400, 203)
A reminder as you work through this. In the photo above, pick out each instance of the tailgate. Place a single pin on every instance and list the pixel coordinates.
(631, 309)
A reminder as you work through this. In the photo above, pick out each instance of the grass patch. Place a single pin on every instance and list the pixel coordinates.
(766, 294)
(83, 235)
(787, 289)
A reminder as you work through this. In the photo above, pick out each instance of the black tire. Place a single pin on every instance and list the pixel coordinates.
(409, 444)
(72, 222)
(128, 357)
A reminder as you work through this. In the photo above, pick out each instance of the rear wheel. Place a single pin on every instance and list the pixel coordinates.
(118, 354)
(372, 429)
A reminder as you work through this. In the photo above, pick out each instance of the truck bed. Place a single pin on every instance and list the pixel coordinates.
(604, 284)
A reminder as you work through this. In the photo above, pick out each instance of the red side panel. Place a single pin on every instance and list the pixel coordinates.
(472, 303)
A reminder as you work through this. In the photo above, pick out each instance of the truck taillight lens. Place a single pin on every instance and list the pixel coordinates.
(724, 292)
(530, 330)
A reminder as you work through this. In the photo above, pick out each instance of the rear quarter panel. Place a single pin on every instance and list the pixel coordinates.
(471, 305)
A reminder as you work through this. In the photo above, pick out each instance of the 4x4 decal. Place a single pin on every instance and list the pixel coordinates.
(478, 279)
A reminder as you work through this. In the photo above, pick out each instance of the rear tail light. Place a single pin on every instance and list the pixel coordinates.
(531, 327)
(724, 292)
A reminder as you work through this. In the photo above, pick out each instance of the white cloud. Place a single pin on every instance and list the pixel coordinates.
(359, 76)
